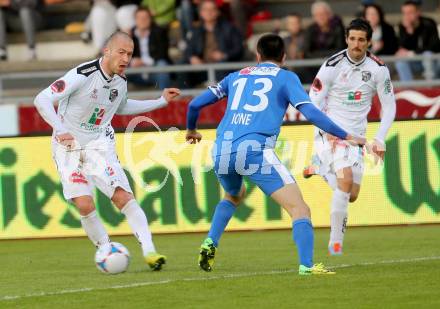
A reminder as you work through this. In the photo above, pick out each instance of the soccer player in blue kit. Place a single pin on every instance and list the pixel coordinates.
(258, 97)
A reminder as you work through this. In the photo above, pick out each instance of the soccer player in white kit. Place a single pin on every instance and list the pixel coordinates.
(83, 142)
(344, 88)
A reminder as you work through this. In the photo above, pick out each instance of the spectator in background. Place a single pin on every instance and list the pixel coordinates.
(417, 35)
(238, 11)
(28, 11)
(360, 12)
(163, 11)
(214, 40)
(150, 49)
(186, 17)
(107, 16)
(125, 10)
(326, 35)
(384, 40)
(294, 42)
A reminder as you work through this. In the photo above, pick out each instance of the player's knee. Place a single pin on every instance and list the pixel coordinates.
(84, 204)
(345, 180)
(297, 208)
(354, 192)
(308, 212)
(242, 193)
(353, 197)
(236, 199)
(121, 197)
(303, 210)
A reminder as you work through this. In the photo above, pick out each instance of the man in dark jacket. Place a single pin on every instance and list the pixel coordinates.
(150, 49)
(326, 35)
(417, 35)
(215, 40)
(323, 38)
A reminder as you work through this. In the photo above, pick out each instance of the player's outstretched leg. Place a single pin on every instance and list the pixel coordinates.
(313, 168)
(290, 198)
(316, 169)
(339, 210)
(223, 213)
(338, 221)
(138, 222)
(207, 254)
(90, 221)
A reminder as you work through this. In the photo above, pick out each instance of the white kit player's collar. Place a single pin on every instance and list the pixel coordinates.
(354, 62)
(106, 77)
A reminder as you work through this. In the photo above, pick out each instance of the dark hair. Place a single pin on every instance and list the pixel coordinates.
(416, 3)
(360, 24)
(379, 11)
(142, 9)
(294, 14)
(271, 47)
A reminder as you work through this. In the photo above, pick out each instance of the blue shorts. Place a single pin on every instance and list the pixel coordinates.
(262, 167)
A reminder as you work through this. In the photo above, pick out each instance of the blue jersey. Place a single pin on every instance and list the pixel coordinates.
(257, 101)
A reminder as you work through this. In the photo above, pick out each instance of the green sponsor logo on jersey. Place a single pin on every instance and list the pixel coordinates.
(97, 116)
(354, 95)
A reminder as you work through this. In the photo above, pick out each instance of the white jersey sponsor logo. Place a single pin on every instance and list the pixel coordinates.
(273, 71)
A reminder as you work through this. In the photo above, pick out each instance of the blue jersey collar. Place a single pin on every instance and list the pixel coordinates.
(267, 64)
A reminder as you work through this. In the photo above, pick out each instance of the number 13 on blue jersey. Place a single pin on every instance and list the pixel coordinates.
(263, 86)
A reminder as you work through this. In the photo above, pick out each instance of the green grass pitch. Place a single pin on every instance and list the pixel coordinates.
(383, 267)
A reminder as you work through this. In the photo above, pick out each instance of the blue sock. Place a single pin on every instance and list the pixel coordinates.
(303, 237)
(223, 213)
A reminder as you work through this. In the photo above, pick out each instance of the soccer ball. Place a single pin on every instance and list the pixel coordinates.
(112, 258)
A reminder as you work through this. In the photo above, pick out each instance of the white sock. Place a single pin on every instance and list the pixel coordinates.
(139, 225)
(338, 216)
(95, 229)
(331, 179)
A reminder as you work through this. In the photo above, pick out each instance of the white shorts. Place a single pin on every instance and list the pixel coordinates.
(83, 170)
(341, 155)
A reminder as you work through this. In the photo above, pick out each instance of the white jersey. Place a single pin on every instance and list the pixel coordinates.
(87, 101)
(344, 90)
